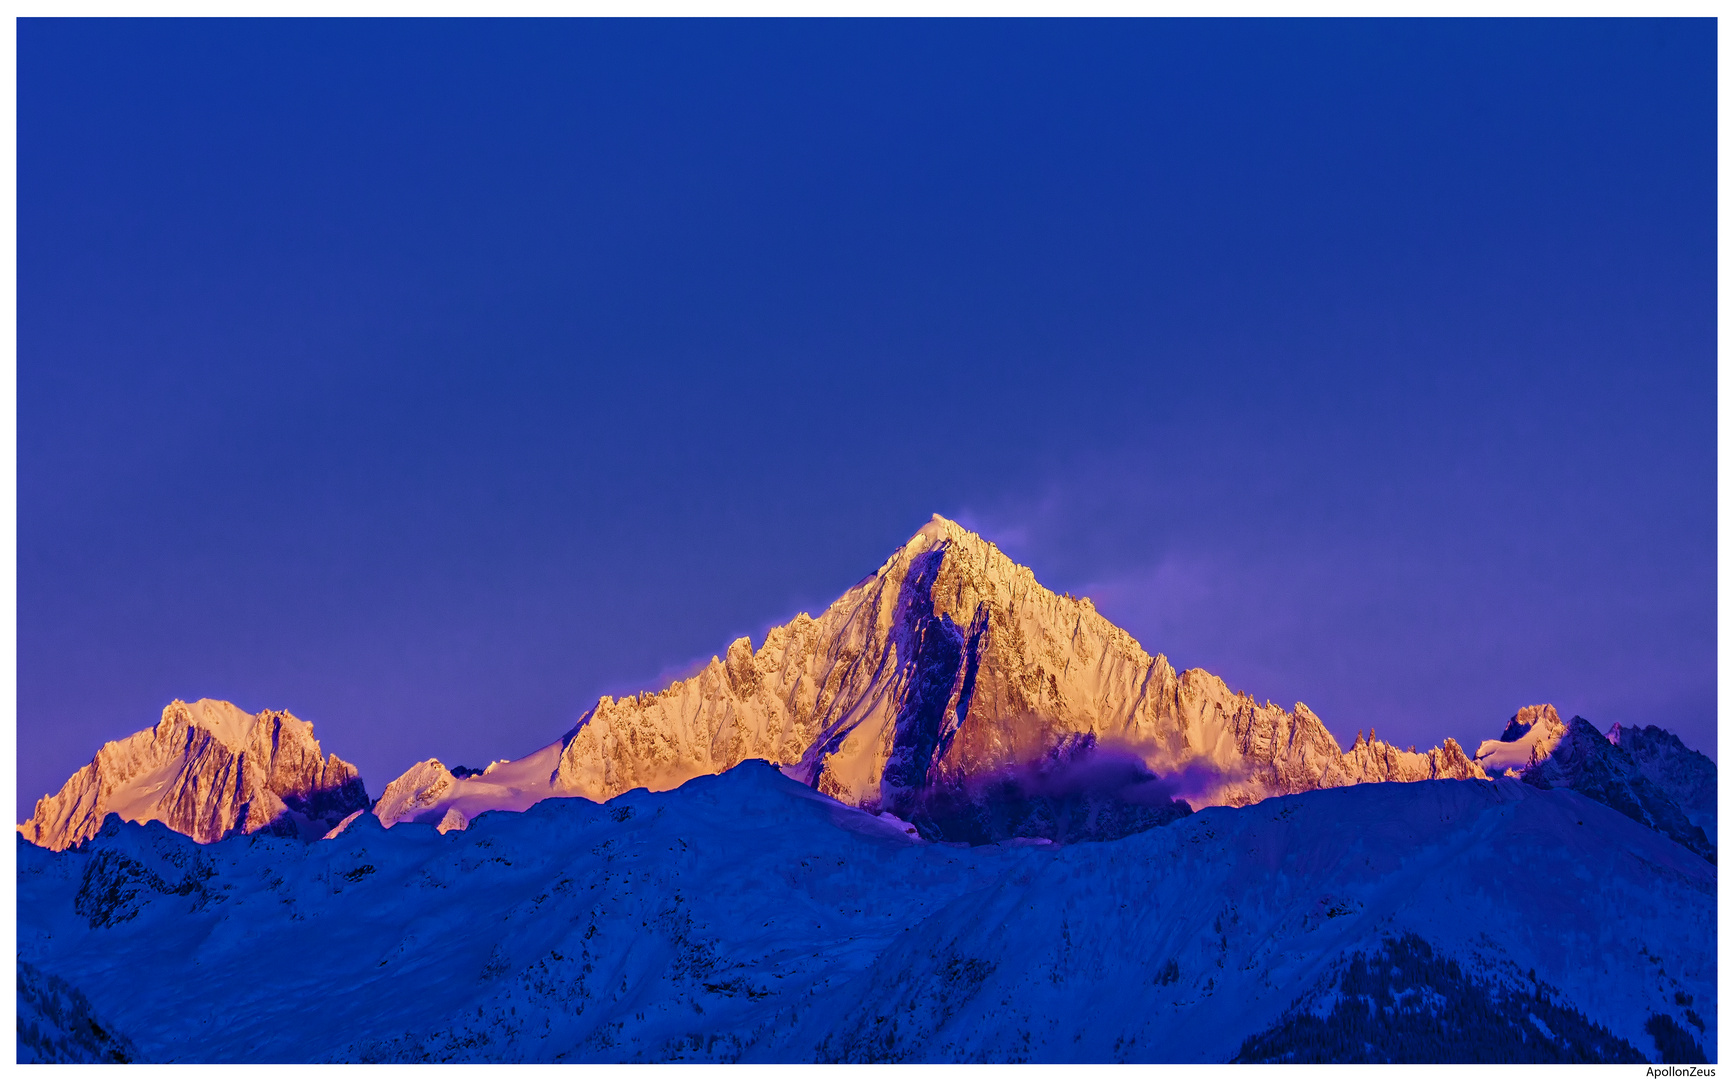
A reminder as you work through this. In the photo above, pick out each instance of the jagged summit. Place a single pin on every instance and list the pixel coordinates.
(207, 770)
(947, 665)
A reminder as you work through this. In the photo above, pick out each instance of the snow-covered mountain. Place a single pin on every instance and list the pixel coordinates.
(1540, 749)
(947, 688)
(947, 666)
(206, 770)
(776, 894)
(745, 917)
(430, 791)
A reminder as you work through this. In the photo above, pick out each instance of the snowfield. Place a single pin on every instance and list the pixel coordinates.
(745, 917)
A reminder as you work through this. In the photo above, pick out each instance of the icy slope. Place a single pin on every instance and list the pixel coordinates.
(745, 917)
(206, 770)
(949, 662)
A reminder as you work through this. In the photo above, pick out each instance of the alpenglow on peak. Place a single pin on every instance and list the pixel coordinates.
(947, 667)
(207, 770)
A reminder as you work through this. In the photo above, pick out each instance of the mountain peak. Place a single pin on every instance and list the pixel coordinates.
(231, 724)
(941, 530)
(948, 666)
(208, 770)
(1529, 737)
(1527, 719)
(938, 527)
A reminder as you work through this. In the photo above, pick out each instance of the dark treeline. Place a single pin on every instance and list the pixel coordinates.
(1407, 1004)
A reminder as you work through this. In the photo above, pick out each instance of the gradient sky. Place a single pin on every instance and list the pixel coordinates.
(430, 379)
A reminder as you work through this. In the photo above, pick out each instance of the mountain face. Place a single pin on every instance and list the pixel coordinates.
(745, 918)
(1684, 775)
(1586, 762)
(945, 672)
(207, 770)
(1540, 749)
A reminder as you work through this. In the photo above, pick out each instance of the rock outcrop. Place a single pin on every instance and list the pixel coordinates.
(206, 770)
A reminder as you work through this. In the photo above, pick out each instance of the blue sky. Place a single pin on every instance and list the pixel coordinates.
(430, 379)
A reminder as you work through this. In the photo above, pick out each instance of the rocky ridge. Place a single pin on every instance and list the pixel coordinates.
(948, 689)
(1546, 752)
(1683, 774)
(207, 770)
(949, 662)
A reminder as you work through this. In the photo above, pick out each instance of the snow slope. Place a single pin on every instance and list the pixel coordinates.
(206, 770)
(745, 917)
